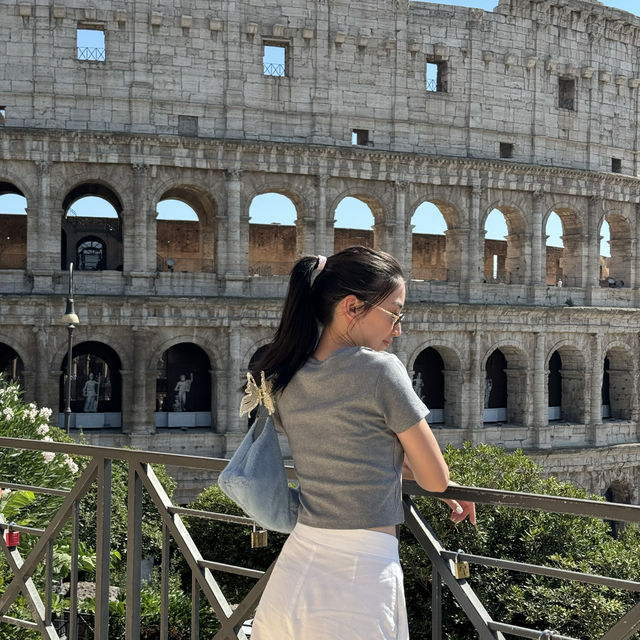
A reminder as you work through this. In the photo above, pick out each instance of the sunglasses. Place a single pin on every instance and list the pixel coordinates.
(397, 317)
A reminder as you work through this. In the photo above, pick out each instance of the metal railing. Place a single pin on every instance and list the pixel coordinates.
(141, 478)
(91, 53)
(274, 69)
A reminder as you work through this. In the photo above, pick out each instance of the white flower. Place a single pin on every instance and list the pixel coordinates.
(48, 439)
(32, 414)
(8, 413)
(45, 412)
(71, 464)
(48, 456)
(42, 430)
(6, 491)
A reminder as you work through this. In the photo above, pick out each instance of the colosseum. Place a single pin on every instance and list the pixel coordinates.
(527, 112)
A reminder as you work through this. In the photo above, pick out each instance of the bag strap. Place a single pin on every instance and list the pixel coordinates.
(260, 421)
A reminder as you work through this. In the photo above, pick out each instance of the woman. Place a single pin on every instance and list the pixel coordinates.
(352, 418)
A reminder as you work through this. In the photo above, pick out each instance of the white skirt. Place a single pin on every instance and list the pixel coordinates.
(334, 584)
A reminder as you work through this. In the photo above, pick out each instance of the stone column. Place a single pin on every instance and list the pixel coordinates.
(234, 79)
(142, 411)
(538, 271)
(402, 251)
(235, 424)
(595, 390)
(471, 268)
(234, 257)
(540, 418)
(324, 231)
(592, 253)
(475, 385)
(43, 234)
(42, 350)
(305, 236)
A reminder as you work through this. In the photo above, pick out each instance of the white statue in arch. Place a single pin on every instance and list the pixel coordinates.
(488, 385)
(90, 394)
(183, 386)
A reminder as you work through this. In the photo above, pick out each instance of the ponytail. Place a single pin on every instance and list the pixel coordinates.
(316, 286)
(296, 337)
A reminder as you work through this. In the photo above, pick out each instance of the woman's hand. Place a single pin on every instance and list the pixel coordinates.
(460, 509)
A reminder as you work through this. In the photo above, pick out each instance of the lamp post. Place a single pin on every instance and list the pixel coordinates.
(71, 320)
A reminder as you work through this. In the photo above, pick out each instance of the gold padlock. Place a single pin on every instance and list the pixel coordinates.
(460, 568)
(259, 538)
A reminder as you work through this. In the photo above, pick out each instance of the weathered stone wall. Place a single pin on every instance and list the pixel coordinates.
(181, 108)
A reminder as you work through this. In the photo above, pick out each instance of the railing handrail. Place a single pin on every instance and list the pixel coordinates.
(481, 495)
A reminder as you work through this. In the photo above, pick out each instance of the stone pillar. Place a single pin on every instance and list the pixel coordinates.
(540, 410)
(305, 236)
(592, 253)
(43, 234)
(383, 236)
(141, 413)
(636, 257)
(235, 424)
(136, 259)
(471, 269)
(475, 385)
(324, 230)
(42, 351)
(595, 389)
(402, 251)
(234, 78)
(234, 257)
(538, 272)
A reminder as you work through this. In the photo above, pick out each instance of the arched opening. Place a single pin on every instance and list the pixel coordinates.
(617, 385)
(567, 385)
(353, 224)
(272, 234)
(96, 387)
(92, 229)
(178, 243)
(13, 227)
(504, 246)
(495, 388)
(620, 492)
(11, 365)
(429, 244)
(554, 387)
(429, 383)
(564, 263)
(615, 252)
(183, 387)
(555, 250)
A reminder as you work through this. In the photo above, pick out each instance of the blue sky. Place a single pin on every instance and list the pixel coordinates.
(350, 213)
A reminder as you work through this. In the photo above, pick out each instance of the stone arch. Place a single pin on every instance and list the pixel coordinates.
(195, 251)
(12, 364)
(253, 348)
(514, 256)
(573, 383)
(571, 263)
(616, 270)
(617, 382)
(516, 382)
(156, 349)
(107, 230)
(433, 257)
(449, 414)
(13, 231)
(274, 247)
(379, 237)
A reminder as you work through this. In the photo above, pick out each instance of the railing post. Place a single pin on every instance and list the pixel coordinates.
(73, 579)
(164, 583)
(195, 607)
(134, 555)
(103, 550)
(436, 605)
(48, 588)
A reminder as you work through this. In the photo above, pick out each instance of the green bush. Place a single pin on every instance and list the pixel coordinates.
(570, 542)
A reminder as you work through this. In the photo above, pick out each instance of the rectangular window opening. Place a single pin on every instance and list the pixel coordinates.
(495, 266)
(274, 59)
(3, 115)
(436, 76)
(90, 44)
(360, 137)
(506, 150)
(616, 165)
(188, 126)
(566, 93)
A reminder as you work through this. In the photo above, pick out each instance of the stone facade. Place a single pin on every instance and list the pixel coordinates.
(533, 111)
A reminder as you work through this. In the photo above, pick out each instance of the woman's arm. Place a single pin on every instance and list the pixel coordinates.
(425, 465)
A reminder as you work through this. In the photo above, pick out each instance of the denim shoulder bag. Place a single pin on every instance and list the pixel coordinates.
(255, 478)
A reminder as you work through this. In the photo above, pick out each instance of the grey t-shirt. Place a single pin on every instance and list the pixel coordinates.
(341, 417)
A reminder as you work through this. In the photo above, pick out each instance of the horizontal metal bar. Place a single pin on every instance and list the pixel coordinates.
(523, 632)
(18, 527)
(551, 572)
(211, 515)
(230, 568)
(17, 622)
(553, 504)
(36, 489)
